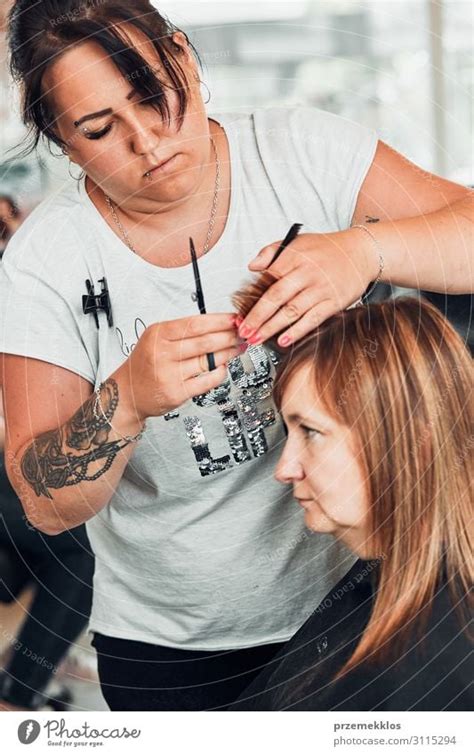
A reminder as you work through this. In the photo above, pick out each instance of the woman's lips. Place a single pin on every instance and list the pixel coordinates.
(304, 502)
(161, 168)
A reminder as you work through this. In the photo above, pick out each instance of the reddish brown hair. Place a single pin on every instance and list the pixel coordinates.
(400, 377)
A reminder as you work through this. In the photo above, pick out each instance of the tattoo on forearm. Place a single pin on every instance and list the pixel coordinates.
(370, 219)
(47, 464)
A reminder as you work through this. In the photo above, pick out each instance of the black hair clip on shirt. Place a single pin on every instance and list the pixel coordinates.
(93, 303)
(198, 296)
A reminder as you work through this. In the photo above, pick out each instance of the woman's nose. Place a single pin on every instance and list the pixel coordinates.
(289, 467)
(144, 139)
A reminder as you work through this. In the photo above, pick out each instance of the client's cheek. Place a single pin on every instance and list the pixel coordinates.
(317, 520)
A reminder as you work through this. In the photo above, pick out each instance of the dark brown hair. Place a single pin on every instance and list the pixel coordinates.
(400, 377)
(40, 32)
(13, 212)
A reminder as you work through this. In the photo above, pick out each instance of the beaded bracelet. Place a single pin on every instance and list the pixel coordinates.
(97, 405)
(365, 296)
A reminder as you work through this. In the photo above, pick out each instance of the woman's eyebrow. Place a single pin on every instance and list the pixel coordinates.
(100, 113)
(292, 417)
(299, 419)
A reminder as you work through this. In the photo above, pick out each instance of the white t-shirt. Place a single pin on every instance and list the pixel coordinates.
(199, 547)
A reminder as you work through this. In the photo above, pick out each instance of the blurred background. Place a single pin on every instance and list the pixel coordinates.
(404, 67)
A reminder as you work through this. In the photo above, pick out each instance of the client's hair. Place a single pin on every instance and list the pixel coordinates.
(400, 377)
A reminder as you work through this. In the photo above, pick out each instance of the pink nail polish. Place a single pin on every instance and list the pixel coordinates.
(246, 332)
(284, 340)
(255, 339)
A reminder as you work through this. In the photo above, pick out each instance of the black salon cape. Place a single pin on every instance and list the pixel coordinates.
(432, 673)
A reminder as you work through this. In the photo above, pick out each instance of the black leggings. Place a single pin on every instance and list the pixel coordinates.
(141, 676)
(62, 568)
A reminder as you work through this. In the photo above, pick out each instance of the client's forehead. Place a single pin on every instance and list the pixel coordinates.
(299, 392)
(301, 401)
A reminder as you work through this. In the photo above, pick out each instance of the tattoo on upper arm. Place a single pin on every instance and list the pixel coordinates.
(47, 464)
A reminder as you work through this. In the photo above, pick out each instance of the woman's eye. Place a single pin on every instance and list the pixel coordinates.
(310, 432)
(98, 134)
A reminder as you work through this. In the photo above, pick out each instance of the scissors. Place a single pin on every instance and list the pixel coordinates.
(199, 296)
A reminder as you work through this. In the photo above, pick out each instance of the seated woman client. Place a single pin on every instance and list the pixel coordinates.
(378, 409)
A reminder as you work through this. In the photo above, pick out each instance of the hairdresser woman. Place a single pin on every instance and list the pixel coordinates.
(119, 423)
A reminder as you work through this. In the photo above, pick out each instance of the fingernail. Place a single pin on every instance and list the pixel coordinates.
(245, 332)
(284, 340)
(255, 339)
(237, 321)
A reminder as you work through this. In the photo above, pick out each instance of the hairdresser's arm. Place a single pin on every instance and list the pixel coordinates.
(424, 226)
(51, 443)
(65, 453)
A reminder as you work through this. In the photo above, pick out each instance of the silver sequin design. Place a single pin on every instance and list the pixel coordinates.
(240, 411)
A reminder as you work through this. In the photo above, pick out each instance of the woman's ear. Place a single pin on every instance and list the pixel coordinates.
(180, 40)
(66, 152)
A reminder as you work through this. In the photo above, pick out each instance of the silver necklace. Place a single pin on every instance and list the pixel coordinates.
(212, 219)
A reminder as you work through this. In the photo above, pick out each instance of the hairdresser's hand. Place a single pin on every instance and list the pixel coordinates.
(168, 365)
(318, 275)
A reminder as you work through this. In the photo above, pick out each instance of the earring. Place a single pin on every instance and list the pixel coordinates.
(203, 83)
(76, 178)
